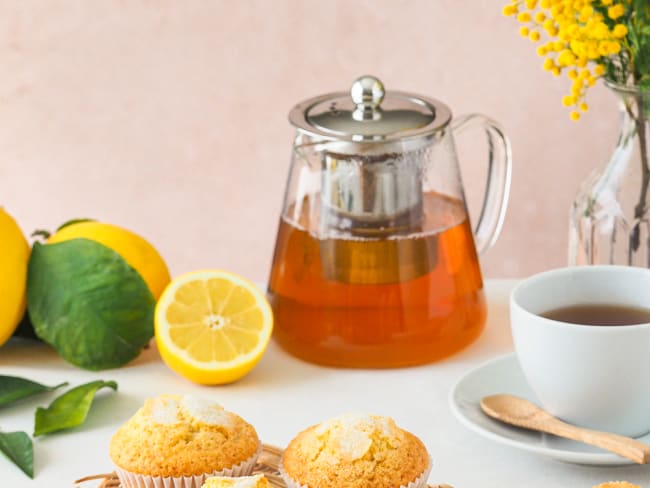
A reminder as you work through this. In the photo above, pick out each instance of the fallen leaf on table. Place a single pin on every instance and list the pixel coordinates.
(17, 446)
(70, 409)
(14, 388)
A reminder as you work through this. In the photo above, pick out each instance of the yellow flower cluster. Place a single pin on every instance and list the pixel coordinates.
(580, 35)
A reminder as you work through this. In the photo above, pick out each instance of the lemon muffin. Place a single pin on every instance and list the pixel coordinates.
(257, 481)
(181, 440)
(355, 451)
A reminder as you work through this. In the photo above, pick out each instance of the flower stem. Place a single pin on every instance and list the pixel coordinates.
(640, 208)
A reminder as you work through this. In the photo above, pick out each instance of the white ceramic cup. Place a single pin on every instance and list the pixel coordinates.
(592, 376)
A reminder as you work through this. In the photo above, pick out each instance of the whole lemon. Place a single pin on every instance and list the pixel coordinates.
(135, 250)
(14, 256)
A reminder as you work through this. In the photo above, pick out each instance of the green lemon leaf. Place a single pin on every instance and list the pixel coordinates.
(72, 222)
(14, 388)
(70, 409)
(17, 446)
(87, 302)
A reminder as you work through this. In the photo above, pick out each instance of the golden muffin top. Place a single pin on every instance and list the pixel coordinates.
(355, 451)
(257, 481)
(174, 435)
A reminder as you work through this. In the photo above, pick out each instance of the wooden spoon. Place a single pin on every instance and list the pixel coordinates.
(522, 413)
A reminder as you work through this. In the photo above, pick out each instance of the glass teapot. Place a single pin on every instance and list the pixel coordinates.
(375, 263)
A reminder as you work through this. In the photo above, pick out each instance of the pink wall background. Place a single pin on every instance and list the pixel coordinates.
(170, 117)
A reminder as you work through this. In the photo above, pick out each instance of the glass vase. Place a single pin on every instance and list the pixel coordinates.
(609, 216)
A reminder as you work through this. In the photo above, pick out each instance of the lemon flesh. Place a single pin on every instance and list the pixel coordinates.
(135, 250)
(212, 327)
(14, 256)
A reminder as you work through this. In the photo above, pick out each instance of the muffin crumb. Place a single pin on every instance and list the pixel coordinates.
(257, 481)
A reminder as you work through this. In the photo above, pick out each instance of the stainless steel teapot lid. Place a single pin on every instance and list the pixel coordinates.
(370, 114)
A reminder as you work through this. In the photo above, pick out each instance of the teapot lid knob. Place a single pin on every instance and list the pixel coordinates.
(367, 93)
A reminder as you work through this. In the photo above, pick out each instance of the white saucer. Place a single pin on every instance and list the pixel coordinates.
(503, 375)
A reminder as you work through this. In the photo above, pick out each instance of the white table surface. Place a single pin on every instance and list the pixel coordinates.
(282, 396)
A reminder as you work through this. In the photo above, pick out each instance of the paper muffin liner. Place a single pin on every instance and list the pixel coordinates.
(129, 479)
(419, 482)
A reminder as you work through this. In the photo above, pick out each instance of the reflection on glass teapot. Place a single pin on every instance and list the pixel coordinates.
(375, 263)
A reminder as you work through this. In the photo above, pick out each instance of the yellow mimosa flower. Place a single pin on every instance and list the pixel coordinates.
(524, 17)
(587, 39)
(568, 100)
(616, 11)
(619, 31)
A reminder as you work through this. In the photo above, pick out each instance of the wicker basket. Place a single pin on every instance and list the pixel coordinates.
(267, 464)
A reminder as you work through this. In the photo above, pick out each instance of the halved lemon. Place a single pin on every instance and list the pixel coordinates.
(212, 326)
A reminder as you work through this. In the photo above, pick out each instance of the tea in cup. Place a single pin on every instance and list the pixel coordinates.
(582, 338)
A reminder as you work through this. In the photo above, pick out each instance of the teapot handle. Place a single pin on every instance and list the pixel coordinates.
(497, 187)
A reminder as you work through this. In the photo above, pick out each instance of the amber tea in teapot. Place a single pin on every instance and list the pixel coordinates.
(375, 263)
(405, 322)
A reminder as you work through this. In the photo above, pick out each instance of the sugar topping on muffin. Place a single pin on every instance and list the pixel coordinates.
(257, 481)
(355, 451)
(352, 435)
(171, 409)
